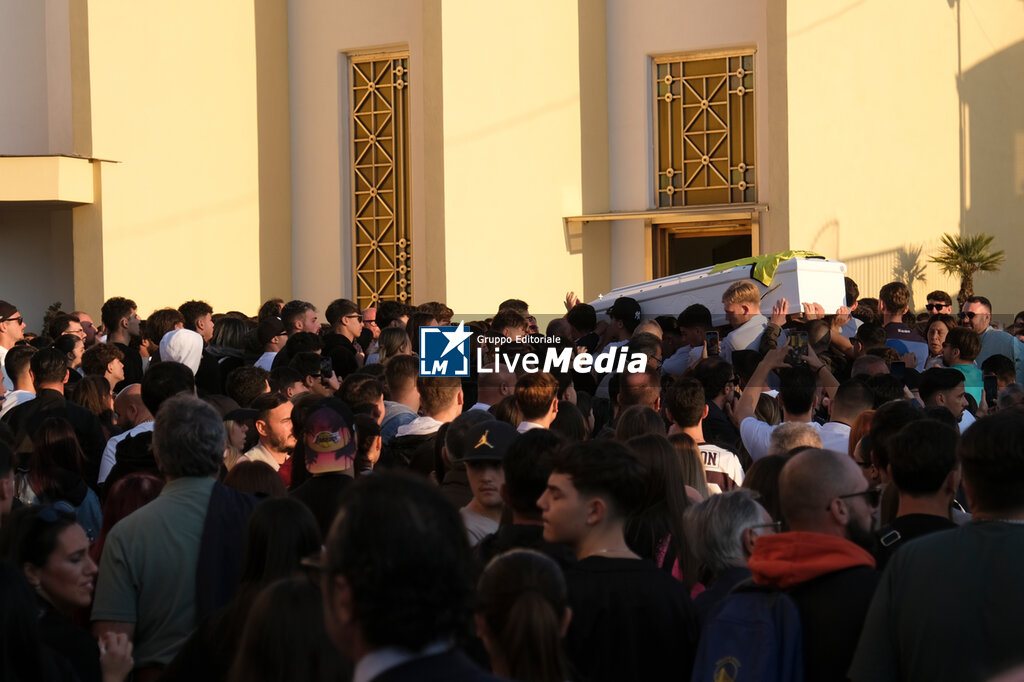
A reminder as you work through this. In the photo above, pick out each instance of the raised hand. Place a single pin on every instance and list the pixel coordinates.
(779, 312)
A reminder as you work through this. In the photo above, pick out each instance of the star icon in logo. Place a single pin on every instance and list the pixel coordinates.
(455, 338)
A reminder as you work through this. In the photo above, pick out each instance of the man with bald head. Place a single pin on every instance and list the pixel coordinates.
(132, 413)
(493, 387)
(822, 562)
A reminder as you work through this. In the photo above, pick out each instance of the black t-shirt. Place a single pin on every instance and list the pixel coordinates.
(132, 366)
(76, 645)
(521, 536)
(322, 494)
(631, 621)
(903, 529)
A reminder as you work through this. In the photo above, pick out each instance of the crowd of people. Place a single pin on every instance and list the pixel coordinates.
(796, 495)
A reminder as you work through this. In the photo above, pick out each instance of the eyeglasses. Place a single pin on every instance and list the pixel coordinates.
(356, 315)
(370, 321)
(775, 526)
(873, 496)
(57, 511)
(966, 316)
(935, 306)
(19, 319)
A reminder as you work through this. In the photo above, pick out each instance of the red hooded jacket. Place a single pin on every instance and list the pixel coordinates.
(785, 560)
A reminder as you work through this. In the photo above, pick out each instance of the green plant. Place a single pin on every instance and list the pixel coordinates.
(964, 256)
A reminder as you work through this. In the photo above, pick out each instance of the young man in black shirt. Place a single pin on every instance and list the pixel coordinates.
(630, 620)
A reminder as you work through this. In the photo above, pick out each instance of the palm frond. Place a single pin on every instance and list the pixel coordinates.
(968, 254)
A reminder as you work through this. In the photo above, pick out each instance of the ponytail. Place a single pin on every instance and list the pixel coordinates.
(530, 641)
(523, 599)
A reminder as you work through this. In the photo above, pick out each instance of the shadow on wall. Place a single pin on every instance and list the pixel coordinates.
(908, 264)
(908, 268)
(992, 93)
(871, 271)
(826, 239)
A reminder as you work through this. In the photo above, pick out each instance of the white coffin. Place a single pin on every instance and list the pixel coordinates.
(798, 280)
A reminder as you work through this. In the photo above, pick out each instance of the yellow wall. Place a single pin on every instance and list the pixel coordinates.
(274, 132)
(992, 44)
(513, 157)
(874, 131)
(323, 33)
(23, 81)
(173, 100)
(640, 29)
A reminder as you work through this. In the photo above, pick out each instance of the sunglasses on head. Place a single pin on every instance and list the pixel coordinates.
(57, 511)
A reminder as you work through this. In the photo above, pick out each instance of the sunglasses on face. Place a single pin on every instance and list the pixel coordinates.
(873, 496)
(966, 316)
(19, 319)
(935, 306)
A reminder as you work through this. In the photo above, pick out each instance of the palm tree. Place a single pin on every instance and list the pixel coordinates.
(908, 269)
(964, 256)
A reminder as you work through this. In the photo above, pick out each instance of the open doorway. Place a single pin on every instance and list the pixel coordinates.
(691, 246)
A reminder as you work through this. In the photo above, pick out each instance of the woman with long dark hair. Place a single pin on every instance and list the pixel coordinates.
(655, 531)
(73, 348)
(285, 639)
(522, 616)
(55, 474)
(93, 393)
(52, 551)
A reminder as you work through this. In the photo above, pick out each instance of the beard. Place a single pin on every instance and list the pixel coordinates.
(280, 443)
(861, 535)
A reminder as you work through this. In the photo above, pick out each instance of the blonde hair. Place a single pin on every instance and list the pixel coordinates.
(231, 455)
(744, 291)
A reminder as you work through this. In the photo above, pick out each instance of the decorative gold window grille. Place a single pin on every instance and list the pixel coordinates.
(704, 111)
(382, 247)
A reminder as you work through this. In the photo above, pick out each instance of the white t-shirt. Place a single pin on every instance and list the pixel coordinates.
(835, 436)
(7, 380)
(747, 336)
(682, 360)
(477, 527)
(966, 419)
(258, 453)
(15, 398)
(109, 458)
(266, 360)
(757, 435)
(722, 468)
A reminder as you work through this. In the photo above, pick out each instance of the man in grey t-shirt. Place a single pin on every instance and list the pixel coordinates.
(487, 444)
